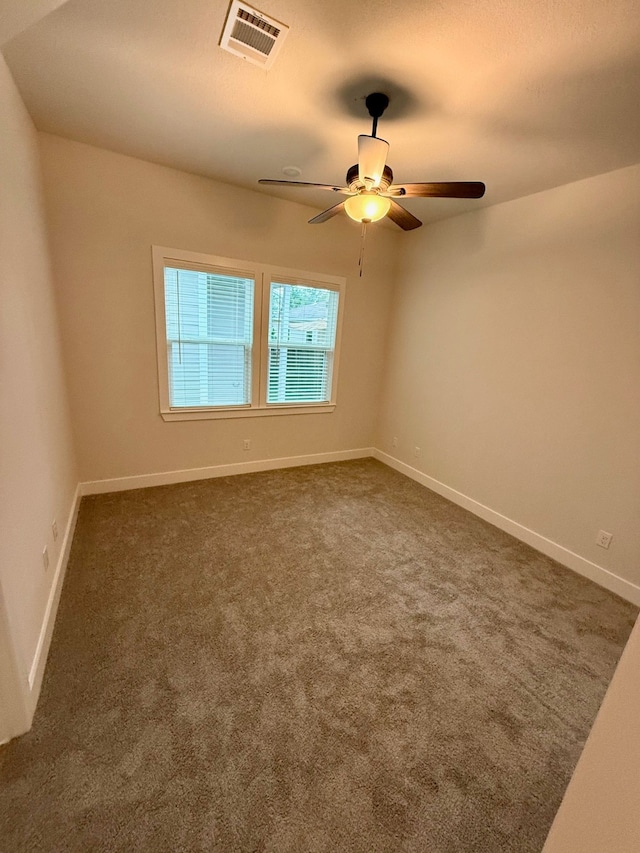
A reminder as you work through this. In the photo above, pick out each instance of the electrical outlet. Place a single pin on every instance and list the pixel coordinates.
(54, 529)
(603, 539)
(394, 441)
(246, 444)
(45, 558)
(417, 452)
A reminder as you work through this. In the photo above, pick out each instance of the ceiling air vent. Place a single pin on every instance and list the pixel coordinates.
(253, 36)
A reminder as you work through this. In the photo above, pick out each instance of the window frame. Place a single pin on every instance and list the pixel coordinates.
(263, 276)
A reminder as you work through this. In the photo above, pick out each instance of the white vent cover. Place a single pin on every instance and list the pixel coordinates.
(253, 36)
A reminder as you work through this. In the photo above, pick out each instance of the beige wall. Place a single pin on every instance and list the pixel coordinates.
(105, 211)
(600, 812)
(37, 465)
(17, 15)
(514, 362)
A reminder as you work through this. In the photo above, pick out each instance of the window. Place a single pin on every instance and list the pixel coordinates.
(302, 337)
(209, 326)
(237, 339)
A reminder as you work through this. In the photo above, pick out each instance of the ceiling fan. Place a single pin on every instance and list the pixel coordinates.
(370, 186)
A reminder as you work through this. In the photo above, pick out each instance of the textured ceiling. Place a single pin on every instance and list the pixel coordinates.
(522, 95)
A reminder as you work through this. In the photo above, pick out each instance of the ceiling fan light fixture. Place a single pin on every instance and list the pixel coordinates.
(367, 207)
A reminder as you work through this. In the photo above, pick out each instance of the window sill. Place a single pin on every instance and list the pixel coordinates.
(217, 414)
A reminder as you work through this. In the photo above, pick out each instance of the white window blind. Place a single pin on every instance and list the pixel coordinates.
(209, 326)
(302, 337)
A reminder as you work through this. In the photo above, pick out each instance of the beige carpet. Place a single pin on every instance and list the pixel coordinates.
(328, 658)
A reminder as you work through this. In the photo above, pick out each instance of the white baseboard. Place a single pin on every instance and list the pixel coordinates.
(36, 672)
(598, 574)
(581, 565)
(142, 481)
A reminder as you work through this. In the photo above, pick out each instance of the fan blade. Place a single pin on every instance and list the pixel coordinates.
(305, 184)
(327, 214)
(407, 221)
(457, 189)
(372, 155)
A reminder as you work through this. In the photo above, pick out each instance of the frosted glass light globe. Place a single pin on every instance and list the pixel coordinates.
(367, 207)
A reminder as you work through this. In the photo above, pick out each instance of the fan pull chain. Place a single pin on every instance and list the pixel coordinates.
(364, 234)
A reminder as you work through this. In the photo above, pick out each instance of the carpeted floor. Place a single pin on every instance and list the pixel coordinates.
(328, 658)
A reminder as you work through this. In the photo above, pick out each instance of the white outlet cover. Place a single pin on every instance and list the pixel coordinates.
(604, 538)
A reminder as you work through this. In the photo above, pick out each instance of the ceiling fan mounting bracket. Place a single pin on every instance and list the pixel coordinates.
(376, 103)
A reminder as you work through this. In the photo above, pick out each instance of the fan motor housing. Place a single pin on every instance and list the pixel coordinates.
(354, 184)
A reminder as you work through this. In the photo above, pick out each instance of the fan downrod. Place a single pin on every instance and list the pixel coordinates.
(376, 103)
